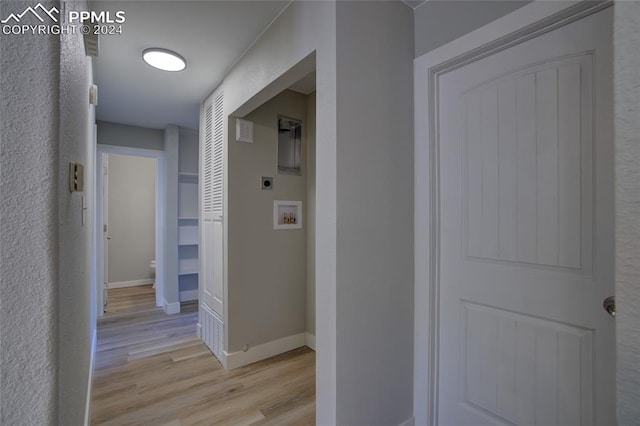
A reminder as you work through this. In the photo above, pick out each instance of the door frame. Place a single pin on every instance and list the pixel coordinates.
(530, 21)
(159, 213)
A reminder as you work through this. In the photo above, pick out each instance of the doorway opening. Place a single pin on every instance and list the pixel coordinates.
(277, 231)
(129, 221)
(262, 301)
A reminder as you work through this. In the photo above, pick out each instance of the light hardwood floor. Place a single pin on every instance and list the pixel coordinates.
(151, 369)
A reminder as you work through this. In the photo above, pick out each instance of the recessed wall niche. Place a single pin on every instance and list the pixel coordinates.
(289, 146)
(287, 214)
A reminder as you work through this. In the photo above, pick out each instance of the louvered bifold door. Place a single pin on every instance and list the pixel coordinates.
(212, 157)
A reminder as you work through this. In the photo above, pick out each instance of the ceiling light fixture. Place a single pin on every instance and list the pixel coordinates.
(164, 59)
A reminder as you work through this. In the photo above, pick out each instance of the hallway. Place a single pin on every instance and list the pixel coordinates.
(152, 369)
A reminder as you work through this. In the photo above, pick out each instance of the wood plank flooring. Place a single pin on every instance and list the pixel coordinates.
(151, 369)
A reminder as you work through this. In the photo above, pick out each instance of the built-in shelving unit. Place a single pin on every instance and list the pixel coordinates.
(188, 235)
(188, 232)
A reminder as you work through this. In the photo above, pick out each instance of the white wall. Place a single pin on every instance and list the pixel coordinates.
(375, 213)
(627, 154)
(364, 283)
(188, 151)
(46, 309)
(310, 211)
(130, 136)
(438, 22)
(303, 29)
(132, 189)
(266, 295)
(171, 298)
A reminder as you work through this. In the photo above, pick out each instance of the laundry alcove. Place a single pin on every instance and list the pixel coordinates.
(257, 280)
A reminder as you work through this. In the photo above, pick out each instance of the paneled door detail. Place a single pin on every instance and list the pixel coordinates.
(527, 159)
(524, 153)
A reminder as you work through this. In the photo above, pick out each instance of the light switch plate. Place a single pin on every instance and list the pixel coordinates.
(76, 177)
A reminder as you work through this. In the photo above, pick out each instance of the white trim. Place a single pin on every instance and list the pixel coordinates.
(188, 295)
(159, 212)
(92, 362)
(199, 330)
(310, 341)
(171, 308)
(529, 21)
(134, 283)
(223, 360)
(264, 351)
(411, 421)
(535, 12)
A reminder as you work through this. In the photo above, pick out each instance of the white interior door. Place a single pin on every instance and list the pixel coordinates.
(212, 205)
(526, 233)
(211, 316)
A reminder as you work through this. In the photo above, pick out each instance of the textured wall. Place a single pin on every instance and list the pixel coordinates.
(627, 130)
(47, 303)
(76, 295)
(29, 81)
(132, 217)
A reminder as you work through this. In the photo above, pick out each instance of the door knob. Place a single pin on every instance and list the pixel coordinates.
(609, 305)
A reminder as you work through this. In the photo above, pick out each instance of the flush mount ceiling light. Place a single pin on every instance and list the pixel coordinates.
(164, 59)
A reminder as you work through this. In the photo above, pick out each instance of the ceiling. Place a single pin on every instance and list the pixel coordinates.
(211, 35)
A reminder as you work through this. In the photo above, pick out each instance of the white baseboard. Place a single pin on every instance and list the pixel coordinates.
(310, 340)
(411, 421)
(134, 283)
(87, 407)
(223, 360)
(189, 295)
(264, 351)
(199, 330)
(171, 308)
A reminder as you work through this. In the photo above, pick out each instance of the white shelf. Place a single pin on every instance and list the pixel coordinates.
(188, 234)
(188, 266)
(188, 175)
(188, 199)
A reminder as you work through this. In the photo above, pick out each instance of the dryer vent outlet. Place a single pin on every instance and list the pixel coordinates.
(267, 183)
